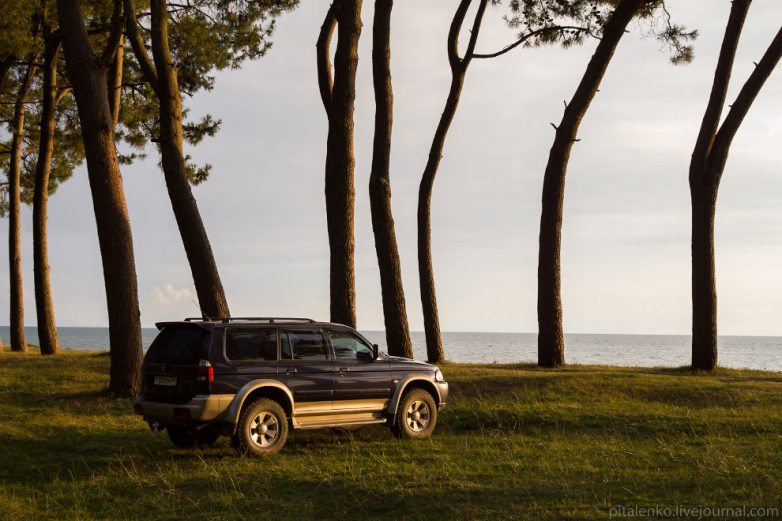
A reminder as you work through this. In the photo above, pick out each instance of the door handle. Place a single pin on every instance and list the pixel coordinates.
(292, 370)
(343, 369)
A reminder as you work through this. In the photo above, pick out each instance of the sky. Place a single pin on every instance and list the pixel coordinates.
(625, 240)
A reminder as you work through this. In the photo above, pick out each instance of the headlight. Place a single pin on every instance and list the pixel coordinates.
(438, 376)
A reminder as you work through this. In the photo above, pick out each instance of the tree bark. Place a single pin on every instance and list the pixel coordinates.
(704, 285)
(339, 101)
(393, 293)
(551, 345)
(707, 165)
(87, 74)
(434, 344)
(115, 82)
(209, 288)
(47, 327)
(18, 342)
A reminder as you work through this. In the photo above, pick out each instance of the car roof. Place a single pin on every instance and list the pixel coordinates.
(251, 321)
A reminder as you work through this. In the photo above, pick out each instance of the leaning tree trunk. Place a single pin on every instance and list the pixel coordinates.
(339, 102)
(47, 328)
(87, 75)
(393, 292)
(551, 344)
(18, 342)
(434, 343)
(211, 296)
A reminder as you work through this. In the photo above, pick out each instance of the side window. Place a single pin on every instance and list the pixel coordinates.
(348, 346)
(251, 344)
(303, 345)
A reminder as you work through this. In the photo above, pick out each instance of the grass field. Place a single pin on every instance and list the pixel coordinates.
(515, 442)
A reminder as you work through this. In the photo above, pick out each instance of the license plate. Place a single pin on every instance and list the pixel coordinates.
(165, 380)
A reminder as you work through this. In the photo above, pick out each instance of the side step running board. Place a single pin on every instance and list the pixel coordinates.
(298, 424)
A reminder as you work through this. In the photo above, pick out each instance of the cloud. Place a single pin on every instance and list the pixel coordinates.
(168, 295)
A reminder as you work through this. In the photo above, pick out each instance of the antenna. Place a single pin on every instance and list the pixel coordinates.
(204, 316)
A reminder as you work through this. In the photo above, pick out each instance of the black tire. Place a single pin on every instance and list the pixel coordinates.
(261, 413)
(416, 416)
(185, 438)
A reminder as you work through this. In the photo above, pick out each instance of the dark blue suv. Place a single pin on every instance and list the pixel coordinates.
(254, 379)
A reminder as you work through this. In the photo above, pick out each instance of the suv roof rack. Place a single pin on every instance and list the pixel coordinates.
(270, 320)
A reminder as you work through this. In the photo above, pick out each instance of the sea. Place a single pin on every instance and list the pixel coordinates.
(748, 352)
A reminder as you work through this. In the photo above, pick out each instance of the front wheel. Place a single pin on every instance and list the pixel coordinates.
(416, 416)
(263, 428)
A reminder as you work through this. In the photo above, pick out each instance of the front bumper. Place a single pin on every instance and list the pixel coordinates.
(442, 388)
(202, 408)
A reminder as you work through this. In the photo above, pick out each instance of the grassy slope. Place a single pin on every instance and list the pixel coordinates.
(515, 442)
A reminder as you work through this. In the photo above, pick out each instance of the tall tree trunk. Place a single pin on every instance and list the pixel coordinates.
(339, 101)
(87, 75)
(47, 327)
(551, 345)
(211, 296)
(707, 165)
(704, 286)
(434, 344)
(393, 292)
(18, 342)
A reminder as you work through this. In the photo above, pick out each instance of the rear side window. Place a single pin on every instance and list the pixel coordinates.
(179, 345)
(303, 345)
(251, 344)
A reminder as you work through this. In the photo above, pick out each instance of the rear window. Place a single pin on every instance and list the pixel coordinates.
(251, 344)
(179, 345)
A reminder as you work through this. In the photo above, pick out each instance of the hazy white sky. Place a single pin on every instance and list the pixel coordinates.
(626, 231)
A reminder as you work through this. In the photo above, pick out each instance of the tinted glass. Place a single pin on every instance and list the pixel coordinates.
(251, 344)
(179, 345)
(348, 346)
(304, 345)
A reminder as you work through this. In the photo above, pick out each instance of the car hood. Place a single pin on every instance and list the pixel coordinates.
(398, 363)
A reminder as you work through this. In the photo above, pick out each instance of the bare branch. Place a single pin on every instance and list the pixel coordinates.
(525, 37)
(453, 34)
(747, 95)
(719, 89)
(323, 48)
(137, 44)
(114, 36)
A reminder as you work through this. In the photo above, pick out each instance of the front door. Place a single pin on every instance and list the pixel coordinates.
(359, 377)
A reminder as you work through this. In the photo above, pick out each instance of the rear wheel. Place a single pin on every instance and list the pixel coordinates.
(416, 416)
(263, 428)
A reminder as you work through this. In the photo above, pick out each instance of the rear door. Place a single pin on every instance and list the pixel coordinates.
(358, 374)
(250, 354)
(306, 367)
(171, 363)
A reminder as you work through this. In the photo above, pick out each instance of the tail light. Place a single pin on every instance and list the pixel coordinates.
(205, 372)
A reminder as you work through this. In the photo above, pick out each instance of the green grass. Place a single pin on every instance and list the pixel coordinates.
(515, 442)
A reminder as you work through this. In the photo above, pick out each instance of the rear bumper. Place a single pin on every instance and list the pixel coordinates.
(202, 408)
(442, 388)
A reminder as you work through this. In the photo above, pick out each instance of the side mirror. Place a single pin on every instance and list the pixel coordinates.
(375, 350)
